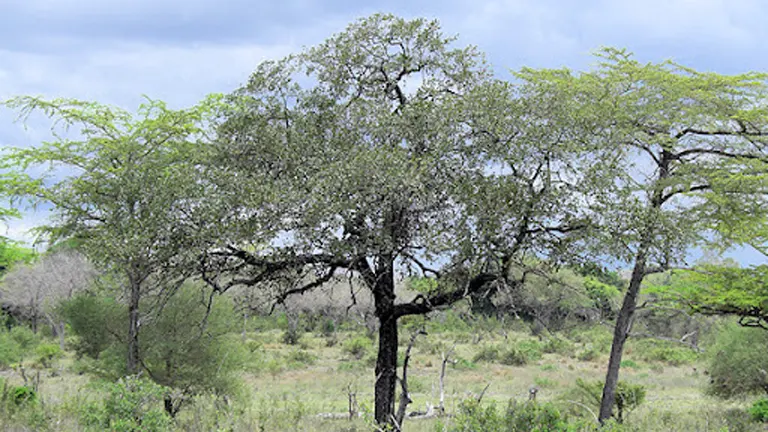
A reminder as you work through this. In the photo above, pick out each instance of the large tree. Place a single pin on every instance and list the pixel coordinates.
(121, 185)
(677, 132)
(387, 150)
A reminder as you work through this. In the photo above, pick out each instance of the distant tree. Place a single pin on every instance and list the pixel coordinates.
(121, 185)
(398, 155)
(39, 288)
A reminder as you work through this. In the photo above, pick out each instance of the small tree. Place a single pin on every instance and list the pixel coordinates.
(121, 185)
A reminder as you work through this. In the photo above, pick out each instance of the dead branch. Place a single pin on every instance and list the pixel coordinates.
(405, 398)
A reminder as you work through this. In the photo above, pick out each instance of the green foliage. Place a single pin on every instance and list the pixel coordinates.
(664, 351)
(47, 352)
(357, 347)
(518, 417)
(628, 396)
(737, 362)
(487, 354)
(192, 347)
(95, 320)
(759, 410)
(12, 253)
(129, 405)
(16, 344)
(720, 290)
(518, 353)
(557, 345)
(301, 358)
(22, 395)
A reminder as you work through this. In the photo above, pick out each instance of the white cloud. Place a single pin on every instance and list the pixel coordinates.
(121, 73)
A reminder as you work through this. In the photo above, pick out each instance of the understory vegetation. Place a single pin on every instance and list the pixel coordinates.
(503, 373)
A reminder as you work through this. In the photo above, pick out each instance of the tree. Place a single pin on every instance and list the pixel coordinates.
(737, 364)
(121, 186)
(12, 253)
(39, 288)
(398, 154)
(677, 132)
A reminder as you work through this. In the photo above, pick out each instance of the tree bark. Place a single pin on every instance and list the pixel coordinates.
(620, 334)
(133, 327)
(386, 370)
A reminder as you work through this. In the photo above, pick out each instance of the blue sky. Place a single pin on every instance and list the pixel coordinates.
(114, 51)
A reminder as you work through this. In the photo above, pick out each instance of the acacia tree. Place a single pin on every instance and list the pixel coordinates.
(677, 132)
(396, 153)
(120, 185)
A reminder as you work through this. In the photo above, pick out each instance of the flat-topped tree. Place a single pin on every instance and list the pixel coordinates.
(383, 151)
(677, 132)
(121, 185)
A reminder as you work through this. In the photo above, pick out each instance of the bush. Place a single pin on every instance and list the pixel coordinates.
(488, 354)
(665, 352)
(628, 396)
(513, 357)
(759, 411)
(93, 319)
(737, 362)
(10, 350)
(357, 347)
(130, 405)
(301, 358)
(46, 353)
(518, 417)
(557, 345)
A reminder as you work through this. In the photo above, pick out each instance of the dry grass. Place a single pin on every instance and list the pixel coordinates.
(289, 396)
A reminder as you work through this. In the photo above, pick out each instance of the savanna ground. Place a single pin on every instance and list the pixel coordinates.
(292, 377)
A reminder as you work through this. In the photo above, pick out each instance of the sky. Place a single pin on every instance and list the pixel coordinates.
(115, 51)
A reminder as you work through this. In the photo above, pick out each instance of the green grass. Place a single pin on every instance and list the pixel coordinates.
(286, 386)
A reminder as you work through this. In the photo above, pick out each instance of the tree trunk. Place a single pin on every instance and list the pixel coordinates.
(620, 334)
(386, 370)
(386, 360)
(62, 325)
(133, 327)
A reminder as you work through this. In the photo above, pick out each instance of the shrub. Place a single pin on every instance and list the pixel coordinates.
(131, 404)
(557, 345)
(514, 357)
(357, 347)
(488, 354)
(10, 350)
(300, 358)
(21, 395)
(737, 362)
(665, 352)
(518, 417)
(46, 353)
(628, 396)
(93, 319)
(759, 411)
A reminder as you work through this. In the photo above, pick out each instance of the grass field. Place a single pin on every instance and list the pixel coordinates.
(289, 387)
